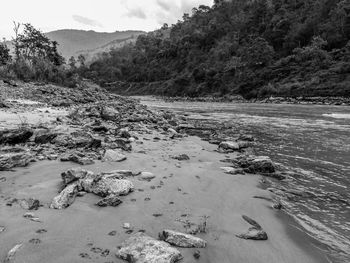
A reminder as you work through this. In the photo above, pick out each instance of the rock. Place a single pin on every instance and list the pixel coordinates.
(105, 186)
(30, 204)
(246, 137)
(77, 158)
(181, 239)
(124, 133)
(45, 138)
(113, 156)
(228, 145)
(197, 254)
(11, 254)
(181, 157)
(109, 114)
(126, 226)
(140, 248)
(2, 229)
(3, 104)
(147, 176)
(16, 136)
(123, 144)
(255, 233)
(11, 158)
(66, 197)
(232, 170)
(109, 201)
(74, 174)
(256, 164)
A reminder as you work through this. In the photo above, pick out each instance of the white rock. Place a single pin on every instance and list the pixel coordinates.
(66, 197)
(147, 176)
(140, 248)
(113, 156)
(228, 145)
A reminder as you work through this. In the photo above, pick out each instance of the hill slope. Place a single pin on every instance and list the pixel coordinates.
(255, 48)
(74, 42)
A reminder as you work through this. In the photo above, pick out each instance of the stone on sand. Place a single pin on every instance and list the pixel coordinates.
(147, 176)
(113, 156)
(140, 248)
(182, 240)
(74, 174)
(111, 200)
(66, 197)
(105, 186)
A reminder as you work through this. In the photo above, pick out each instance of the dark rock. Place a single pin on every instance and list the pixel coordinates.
(16, 136)
(30, 204)
(45, 138)
(181, 157)
(197, 254)
(74, 174)
(109, 201)
(255, 164)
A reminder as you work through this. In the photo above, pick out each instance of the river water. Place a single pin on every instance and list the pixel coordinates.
(311, 140)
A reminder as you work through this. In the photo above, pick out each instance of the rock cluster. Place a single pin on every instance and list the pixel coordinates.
(99, 126)
(108, 186)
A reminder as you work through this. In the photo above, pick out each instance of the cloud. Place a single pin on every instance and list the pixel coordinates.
(170, 11)
(164, 4)
(136, 12)
(86, 21)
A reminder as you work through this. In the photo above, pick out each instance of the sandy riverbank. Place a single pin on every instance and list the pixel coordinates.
(181, 191)
(84, 226)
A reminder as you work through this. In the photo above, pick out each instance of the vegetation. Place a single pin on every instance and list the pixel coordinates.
(35, 58)
(255, 48)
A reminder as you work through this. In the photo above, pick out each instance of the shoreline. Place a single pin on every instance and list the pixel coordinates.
(337, 101)
(181, 190)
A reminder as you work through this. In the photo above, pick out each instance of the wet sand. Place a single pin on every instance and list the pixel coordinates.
(197, 188)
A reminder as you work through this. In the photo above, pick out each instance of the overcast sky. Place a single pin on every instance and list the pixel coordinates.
(98, 15)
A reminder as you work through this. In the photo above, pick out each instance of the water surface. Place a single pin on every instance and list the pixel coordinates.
(312, 140)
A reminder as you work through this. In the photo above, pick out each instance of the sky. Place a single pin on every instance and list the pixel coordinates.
(97, 15)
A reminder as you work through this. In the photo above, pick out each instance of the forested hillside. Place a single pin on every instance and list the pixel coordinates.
(255, 48)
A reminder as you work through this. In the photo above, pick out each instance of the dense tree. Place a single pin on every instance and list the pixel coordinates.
(5, 56)
(235, 46)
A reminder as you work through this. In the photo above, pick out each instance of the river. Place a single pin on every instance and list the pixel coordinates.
(311, 140)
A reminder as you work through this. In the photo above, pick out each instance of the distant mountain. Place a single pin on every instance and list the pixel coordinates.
(74, 42)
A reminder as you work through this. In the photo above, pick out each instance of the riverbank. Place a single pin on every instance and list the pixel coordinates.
(182, 183)
(271, 100)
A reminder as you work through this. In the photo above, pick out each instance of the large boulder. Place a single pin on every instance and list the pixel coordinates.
(140, 248)
(66, 197)
(15, 136)
(181, 239)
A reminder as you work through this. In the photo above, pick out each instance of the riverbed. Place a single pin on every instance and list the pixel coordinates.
(311, 140)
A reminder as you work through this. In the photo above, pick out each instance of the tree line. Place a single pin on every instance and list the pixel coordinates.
(251, 47)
